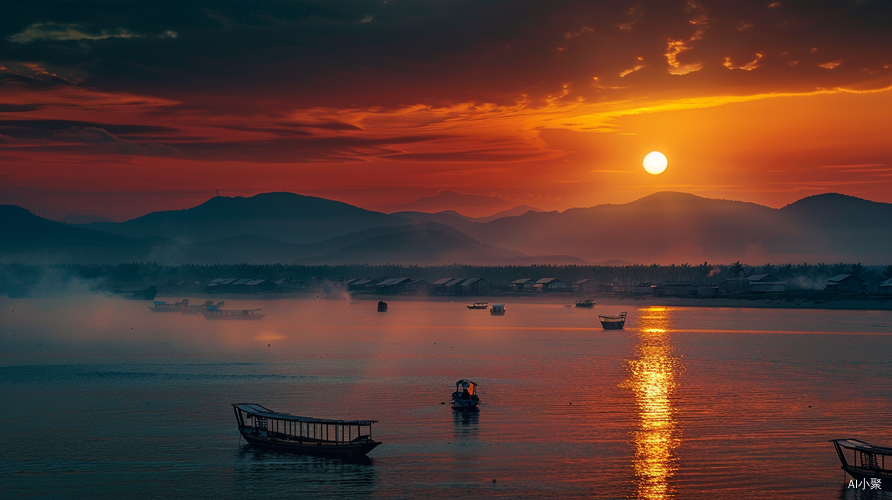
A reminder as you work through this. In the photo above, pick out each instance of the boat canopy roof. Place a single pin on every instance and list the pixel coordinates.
(470, 385)
(257, 410)
(498, 306)
(855, 444)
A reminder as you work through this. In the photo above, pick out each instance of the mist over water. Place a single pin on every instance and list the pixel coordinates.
(117, 401)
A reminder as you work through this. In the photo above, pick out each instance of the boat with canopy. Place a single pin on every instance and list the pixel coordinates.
(266, 428)
(862, 460)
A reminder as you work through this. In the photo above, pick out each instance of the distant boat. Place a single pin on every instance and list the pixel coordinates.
(497, 310)
(585, 303)
(465, 395)
(868, 461)
(145, 294)
(382, 306)
(265, 428)
(214, 312)
(160, 306)
(613, 322)
(479, 305)
(198, 309)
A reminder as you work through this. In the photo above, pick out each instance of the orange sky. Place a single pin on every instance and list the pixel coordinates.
(472, 107)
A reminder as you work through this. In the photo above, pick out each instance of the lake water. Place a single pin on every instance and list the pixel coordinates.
(105, 399)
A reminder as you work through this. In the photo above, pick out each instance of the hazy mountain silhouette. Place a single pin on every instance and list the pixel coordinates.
(29, 239)
(287, 217)
(663, 228)
(511, 212)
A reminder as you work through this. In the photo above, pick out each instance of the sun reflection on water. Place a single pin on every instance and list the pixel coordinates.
(652, 378)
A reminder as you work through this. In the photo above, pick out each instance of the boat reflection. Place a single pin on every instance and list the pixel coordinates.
(653, 379)
(270, 474)
(465, 423)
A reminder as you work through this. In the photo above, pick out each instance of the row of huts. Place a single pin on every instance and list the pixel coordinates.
(757, 283)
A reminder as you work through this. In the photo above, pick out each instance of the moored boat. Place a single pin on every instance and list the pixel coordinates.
(585, 303)
(465, 395)
(197, 309)
(613, 322)
(214, 312)
(265, 428)
(867, 461)
(497, 310)
(160, 306)
(382, 306)
(479, 305)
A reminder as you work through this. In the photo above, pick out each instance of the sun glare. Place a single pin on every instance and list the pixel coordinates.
(655, 162)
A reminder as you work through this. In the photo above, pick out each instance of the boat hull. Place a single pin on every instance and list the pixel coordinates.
(235, 317)
(352, 450)
(613, 325)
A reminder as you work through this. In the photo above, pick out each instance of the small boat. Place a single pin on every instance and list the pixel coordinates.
(585, 303)
(160, 306)
(613, 322)
(479, 305)
(214, 312)
(868, 461)
(497, 310)
(465, 395)
(146, 294)
(265, 428)
(382, 306)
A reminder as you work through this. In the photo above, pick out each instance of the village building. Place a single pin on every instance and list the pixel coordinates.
(677, 288)
(585, 286)
(521, 285)
(475, 286)
(361, 284)
(765, 283)
(886, 287)
(240, 285)
(418, 287)
(846, 283)
(546, 285)
(392, 285)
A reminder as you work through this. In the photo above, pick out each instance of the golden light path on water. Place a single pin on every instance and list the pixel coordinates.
(653, 380)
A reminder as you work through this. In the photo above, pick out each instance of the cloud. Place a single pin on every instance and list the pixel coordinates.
(676, 47)
(831, 64)
(65, 32)
(746, 67)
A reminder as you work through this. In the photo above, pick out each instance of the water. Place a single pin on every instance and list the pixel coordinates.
(105, 399)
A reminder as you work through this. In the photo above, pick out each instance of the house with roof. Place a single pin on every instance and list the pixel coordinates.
(521, 285)
(846, 283)
(392, 285)
(546, 285)
(886, 287)
(475, 286)
(361, 284)
(240, 285)
(765, 283)
(584, 286)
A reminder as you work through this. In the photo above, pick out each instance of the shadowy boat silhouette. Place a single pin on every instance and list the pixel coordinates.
(613, 322)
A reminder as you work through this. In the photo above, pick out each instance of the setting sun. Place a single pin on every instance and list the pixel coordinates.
(655, 162)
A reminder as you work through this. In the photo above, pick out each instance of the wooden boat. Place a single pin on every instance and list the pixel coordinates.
(585, 303)
(465, 395)
(382, 306)
(160, 306)
(198, 309)
(146, 294)
(214, 312)
(613, 322)
(265, 428)
(497, 310)
(867, 461)
(479, 305)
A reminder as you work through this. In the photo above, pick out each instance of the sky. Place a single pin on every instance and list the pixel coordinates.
(117, 109)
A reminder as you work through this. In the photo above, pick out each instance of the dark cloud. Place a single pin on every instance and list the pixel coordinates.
(372, 53)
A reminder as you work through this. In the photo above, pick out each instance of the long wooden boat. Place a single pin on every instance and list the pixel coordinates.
(198, 309)
(867, 461)
(613, 322)
(160, 306)
(265, 428)
(214, 312)
(585, 303)
(479, 305)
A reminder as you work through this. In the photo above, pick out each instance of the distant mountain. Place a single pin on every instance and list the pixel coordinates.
(661, 228)
(84, 219)
(673, 227)
(287, 217)
(29, 239)
(511, 212)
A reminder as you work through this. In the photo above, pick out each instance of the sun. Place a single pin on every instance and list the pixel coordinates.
(655, 162)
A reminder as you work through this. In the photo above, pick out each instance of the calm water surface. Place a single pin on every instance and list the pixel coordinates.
(105, 399)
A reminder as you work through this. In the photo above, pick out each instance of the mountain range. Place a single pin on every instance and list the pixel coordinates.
(665, 227)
